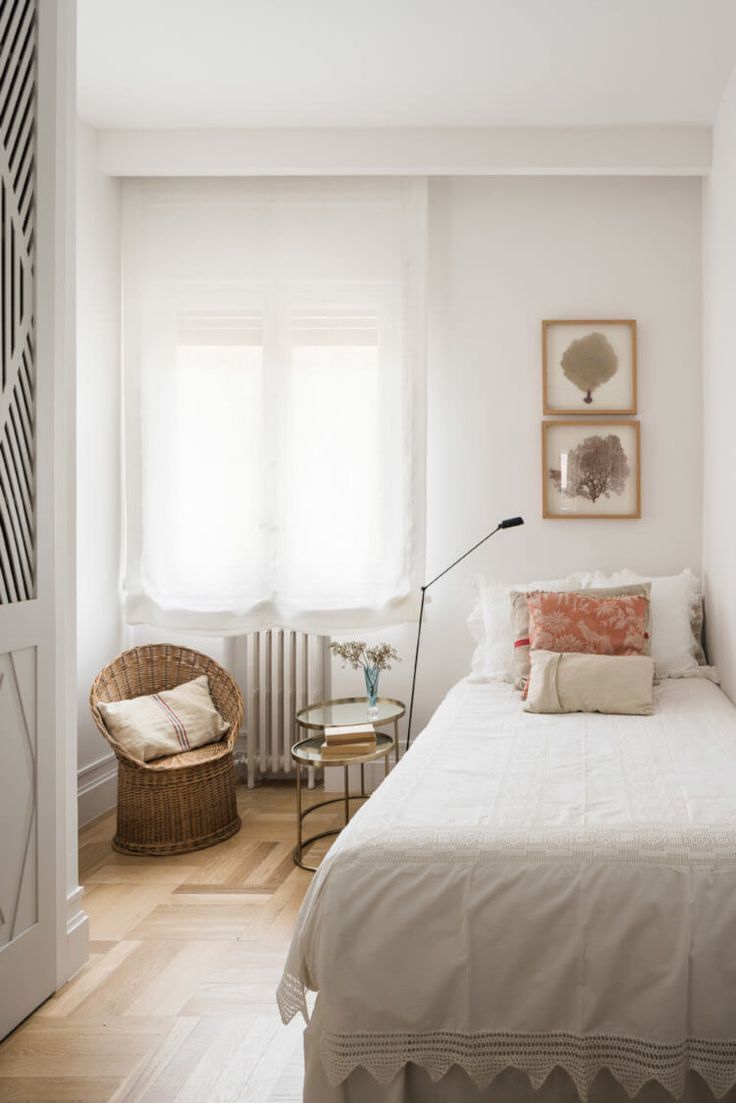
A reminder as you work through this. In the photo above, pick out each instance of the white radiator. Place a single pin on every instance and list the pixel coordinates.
(279, 672)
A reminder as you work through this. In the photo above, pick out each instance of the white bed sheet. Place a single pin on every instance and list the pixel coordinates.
(529, 891)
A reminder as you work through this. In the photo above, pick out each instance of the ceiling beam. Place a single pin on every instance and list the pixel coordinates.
(498, 151)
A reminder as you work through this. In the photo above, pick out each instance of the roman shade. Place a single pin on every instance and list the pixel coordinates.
(274, 396)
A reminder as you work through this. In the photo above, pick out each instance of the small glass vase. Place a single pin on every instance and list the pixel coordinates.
(371, 674)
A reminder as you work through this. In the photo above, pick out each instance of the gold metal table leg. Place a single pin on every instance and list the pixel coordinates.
(298, 851)
(346, 783)
(302, 843)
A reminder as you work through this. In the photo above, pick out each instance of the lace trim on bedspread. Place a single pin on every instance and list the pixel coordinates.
(689, 847)
(632, 1061)
(291, 998)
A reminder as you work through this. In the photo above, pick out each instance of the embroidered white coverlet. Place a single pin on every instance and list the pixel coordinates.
(529, 890)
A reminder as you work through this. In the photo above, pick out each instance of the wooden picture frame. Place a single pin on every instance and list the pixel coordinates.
(617, 484)
(602, 348)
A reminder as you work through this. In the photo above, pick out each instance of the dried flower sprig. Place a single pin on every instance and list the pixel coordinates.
(356, 653)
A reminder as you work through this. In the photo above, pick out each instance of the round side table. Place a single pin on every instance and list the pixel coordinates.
(307, 753)
(353, 710)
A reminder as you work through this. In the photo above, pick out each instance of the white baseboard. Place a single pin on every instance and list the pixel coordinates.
(97, 788)
(77, 935)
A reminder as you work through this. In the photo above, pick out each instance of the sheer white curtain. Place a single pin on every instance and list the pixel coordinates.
(274, 398)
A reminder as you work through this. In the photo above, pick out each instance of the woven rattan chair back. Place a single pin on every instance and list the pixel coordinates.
(181, 802)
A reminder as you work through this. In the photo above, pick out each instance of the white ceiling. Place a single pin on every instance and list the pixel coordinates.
(379, 63)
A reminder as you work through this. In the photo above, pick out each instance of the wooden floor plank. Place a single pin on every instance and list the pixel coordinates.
(123, 987)
(206, 1081)
(114, 910)
(136, 1086)
(58, 1089)
(124, 870)
(169, 988)
(237, 1078)
(93, 978)
(184, 1059)
(197, 918)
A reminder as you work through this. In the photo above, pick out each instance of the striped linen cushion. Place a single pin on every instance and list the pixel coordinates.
(165, 723)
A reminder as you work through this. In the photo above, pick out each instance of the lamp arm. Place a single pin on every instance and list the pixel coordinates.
(460, 558)
(511, 522)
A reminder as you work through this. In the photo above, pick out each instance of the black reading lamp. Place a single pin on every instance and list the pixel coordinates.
(509, 523)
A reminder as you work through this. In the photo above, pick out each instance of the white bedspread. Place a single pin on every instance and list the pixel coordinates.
(533, 891)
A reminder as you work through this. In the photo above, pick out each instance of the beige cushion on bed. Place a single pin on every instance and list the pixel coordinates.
(565, 682)
(165, 723)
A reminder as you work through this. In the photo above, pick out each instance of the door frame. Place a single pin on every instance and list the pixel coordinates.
(56, 359)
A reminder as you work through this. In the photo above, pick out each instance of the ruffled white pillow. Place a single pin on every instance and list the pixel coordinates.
(491, 626)
(676, 611)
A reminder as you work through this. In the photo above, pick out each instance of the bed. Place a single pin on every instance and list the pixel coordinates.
(531, 900)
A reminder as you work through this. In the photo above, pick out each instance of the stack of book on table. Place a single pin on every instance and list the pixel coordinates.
(341, 742)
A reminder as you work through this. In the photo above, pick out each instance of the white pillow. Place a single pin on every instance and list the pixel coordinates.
(165, 723)
(675, 605)
(491, 626)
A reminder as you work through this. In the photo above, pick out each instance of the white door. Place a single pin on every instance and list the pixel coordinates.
(28, 771)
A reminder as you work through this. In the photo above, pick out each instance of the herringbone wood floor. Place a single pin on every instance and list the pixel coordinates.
(176, 1004)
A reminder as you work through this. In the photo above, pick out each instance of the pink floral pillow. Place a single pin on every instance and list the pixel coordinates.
(589, 624)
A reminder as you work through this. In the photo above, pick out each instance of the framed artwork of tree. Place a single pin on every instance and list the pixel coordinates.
(591, 469)
(589, 367)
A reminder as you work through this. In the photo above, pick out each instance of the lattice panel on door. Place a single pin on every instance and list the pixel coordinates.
(18, 29)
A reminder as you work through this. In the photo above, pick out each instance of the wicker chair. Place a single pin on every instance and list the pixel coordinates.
(181, 802)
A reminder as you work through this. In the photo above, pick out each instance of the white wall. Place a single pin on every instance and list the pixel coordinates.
(504, 254)
(719, 500)
(98, 457)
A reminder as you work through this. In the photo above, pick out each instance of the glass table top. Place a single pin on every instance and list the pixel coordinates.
(349, 710)
(308, 750)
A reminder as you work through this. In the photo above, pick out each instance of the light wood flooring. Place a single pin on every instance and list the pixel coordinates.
(176, 1004)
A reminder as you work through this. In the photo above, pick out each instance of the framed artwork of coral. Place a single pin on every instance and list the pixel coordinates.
(589, 367)
(591, 469)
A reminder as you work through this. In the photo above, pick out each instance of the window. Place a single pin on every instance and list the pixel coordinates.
(274, 397)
